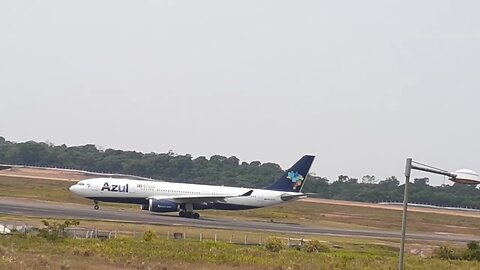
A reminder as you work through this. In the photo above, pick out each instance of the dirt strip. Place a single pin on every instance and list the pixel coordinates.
(459, 213)
(41, 173)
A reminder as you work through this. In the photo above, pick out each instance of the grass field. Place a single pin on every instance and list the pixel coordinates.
(43, 189)
(133, 253)
(342, 216)
(19, 252)
(193, 233)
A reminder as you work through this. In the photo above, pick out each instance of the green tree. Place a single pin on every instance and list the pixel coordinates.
(368, 179)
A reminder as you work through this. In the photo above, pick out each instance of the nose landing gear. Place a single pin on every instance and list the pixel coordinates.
(95, 206)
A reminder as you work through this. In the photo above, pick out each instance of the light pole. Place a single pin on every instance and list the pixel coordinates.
(463, 176)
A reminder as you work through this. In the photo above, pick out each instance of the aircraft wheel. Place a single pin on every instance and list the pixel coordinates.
(96, 207)
(196, 215)
(182, 214)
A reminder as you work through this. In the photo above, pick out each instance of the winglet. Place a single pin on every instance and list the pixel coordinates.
(246, 194)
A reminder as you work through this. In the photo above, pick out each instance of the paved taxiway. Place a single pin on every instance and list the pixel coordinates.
(35, 208)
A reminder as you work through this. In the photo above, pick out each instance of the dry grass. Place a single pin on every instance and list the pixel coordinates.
(18, 252)
(350, 216)
(42, 189)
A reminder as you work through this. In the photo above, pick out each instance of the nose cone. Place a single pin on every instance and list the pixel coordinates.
(73, 188)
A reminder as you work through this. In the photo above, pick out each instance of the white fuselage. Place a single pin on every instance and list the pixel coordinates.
(138, 191)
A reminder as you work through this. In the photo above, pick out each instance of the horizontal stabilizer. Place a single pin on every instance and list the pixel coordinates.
(287, 197)
(5, 167)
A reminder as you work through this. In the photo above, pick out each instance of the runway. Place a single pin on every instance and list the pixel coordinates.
(33, 208)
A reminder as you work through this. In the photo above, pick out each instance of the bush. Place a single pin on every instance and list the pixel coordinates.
(149, 235)
(274, 245)
(315, 246)
(473, 245)
(473, 251)
(54, 231)
(447, 253)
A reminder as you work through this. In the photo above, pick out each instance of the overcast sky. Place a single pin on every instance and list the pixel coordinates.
(360, 84)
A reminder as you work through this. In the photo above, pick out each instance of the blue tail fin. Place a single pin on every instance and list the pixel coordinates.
(294, 178)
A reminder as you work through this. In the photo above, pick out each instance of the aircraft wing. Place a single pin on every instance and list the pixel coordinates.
(199, 198)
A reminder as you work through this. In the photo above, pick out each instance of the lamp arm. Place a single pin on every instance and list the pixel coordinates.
(449, 174)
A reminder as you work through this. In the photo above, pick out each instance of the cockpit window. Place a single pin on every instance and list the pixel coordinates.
(81, 184)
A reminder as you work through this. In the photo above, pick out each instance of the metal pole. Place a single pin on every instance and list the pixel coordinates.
(408, 169)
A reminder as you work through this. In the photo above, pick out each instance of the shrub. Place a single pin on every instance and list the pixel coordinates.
(274, 245)
(446, 253)
(473, 251)
(149, 235)
(54, 230)
(315, 246)
(473, 245)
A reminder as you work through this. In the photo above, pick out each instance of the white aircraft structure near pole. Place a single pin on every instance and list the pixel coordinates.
(156, 196)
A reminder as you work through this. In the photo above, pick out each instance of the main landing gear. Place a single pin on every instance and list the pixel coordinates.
(189, 214)
(95, 206)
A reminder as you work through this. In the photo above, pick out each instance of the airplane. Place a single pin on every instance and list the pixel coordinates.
(159, 196)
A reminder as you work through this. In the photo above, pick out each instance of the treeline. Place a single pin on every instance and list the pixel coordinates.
(390, 190)
(169, 166)
(220, 170)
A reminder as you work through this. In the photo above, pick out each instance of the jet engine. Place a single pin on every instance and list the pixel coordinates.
(162, 206)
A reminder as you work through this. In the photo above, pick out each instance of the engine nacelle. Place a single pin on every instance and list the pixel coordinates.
(162, 206)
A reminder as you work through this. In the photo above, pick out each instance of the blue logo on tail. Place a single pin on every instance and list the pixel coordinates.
(296, 179)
